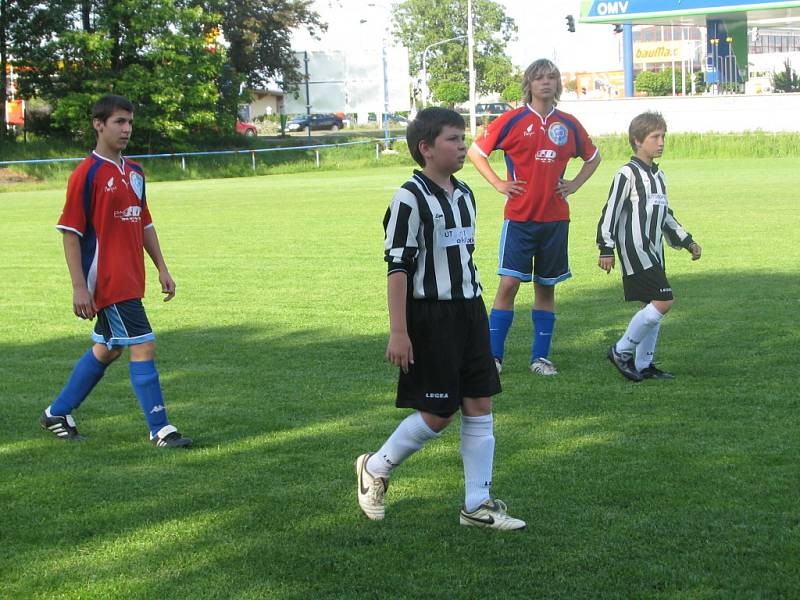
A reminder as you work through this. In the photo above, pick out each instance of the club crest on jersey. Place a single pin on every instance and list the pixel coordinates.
(137, 183)
(557, 134)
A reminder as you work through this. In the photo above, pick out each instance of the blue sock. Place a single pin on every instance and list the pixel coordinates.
(85, 375)
(543, 323)
(499, 324)
(146, 386)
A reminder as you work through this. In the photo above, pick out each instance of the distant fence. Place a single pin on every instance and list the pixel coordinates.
(252, 152)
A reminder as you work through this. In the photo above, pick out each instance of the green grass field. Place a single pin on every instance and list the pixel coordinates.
(271, 357)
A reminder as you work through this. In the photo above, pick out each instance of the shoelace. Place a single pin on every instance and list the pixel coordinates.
(376, 490)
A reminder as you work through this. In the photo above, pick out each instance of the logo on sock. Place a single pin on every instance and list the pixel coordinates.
(158, 409)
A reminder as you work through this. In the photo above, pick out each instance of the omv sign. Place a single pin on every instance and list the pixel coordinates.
(633, 9)
(612, 8)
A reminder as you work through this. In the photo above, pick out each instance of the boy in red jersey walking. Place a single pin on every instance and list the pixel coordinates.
(106, 225)
(538, 141)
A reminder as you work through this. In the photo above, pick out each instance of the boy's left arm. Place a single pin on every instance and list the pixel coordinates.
(153, 249)
(678, 237)
(567, 187)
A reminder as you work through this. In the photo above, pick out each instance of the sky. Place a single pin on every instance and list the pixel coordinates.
(542, 32)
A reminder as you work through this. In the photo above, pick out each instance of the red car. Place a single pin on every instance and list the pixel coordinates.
(248, 129)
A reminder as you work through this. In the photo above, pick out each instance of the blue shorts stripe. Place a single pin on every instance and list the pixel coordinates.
(123, 324)
(118, 329)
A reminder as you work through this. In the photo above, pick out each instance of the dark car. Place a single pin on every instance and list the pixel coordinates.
(490, 111)
(317, 121)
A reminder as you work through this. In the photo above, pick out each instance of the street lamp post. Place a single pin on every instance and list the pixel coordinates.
(470, 50)
(425, 91)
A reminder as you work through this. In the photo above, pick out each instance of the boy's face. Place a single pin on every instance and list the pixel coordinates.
(652, 146)
(544, 86)
(115, 132)
(448, 151)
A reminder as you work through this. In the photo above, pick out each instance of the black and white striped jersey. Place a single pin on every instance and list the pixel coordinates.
(637, 218)
(431, 236)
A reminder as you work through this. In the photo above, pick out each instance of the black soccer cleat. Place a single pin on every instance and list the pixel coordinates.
(169, 437)
(653, 372)
(62, 427)
(624, 364)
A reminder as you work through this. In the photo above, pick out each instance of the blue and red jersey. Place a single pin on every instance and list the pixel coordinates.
(106, 206)
(537, 149)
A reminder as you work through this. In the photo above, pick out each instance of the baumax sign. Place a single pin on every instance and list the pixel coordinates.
(658, 52)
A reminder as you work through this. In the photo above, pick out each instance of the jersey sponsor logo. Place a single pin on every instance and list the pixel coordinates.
(110, 187)
(657, 199)
(558, 134)
(437, 395)
(132, 214)
(456, 236)
(137, 183)
(546, 156)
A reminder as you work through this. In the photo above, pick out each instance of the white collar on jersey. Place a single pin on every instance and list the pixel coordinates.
(119, 166)
(543, 118)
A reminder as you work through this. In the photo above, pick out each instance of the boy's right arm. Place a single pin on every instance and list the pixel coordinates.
(609, 218)
(507, 188)
(82, 301)
(399, 350)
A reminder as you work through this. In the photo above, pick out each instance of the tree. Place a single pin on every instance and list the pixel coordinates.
(420, 23)
(655, 83)
(787, 80)
(259, 37)
(152, 52)
(162, 54)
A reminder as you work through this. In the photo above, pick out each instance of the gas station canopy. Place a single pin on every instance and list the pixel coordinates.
(758, 13)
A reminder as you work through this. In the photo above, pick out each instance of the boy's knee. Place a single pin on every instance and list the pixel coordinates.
(105, 355)
(142, 352)
(437, 423)
(477, 407)
(662, 306)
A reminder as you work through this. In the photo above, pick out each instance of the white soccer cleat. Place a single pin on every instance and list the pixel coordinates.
(491, 514)
(542, 366)
(371, 490)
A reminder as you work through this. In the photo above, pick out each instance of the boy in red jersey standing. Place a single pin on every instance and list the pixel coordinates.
(106, 225)
(538, 141)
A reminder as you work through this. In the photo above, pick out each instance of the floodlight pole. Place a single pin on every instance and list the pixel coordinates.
(470, 49)
(385, 98)
(425, 91)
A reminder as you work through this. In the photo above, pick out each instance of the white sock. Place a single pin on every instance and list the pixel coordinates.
(410, 435)
(646, 350)
(641, 323)
(477, 452)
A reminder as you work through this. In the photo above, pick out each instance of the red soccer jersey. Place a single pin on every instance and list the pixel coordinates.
(537, 150)
(107, 208)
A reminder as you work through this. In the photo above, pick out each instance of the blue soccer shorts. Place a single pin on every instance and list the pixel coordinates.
(535, 251)
(123, 324)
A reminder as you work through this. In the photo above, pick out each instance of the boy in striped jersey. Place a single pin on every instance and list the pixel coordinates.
(635, 220)
(439, 331)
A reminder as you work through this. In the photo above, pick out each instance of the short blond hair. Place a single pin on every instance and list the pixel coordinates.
(535, 70)
(643, 125)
